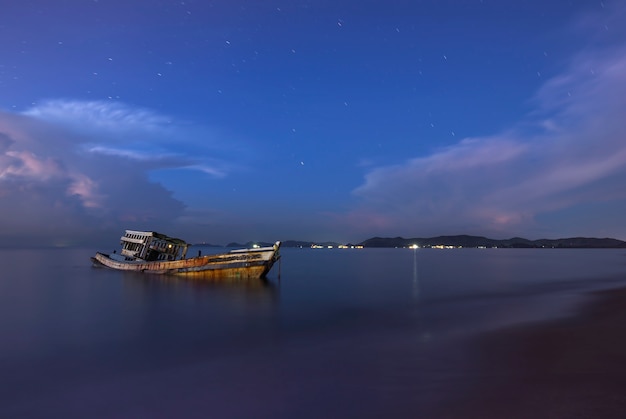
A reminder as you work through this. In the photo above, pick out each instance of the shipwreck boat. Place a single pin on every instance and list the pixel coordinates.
(151, 252)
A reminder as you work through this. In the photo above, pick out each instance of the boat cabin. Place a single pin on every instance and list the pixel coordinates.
(151, 246)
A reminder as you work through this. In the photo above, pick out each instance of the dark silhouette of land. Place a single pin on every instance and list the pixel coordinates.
(456, 241)
(479, 241)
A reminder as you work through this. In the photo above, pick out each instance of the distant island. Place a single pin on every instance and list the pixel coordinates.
(479, 241)
(456, 242)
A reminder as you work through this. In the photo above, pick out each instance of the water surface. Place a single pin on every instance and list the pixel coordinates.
(333, 332)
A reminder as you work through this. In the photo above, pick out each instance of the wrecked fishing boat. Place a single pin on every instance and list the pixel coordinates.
(155, 253)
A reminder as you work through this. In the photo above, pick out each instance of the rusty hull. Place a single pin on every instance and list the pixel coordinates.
(241, 265)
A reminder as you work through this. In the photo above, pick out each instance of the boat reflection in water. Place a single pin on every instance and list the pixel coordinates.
(221, 303)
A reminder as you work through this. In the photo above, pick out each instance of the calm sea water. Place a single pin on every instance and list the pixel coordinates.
(332, 333)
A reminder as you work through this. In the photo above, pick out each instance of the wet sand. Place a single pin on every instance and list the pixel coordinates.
(570, 368)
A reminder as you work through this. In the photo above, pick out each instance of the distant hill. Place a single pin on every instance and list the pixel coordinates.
(298, 243)
(456, 241)
(249, 244)
(287, 243)
(479, 241)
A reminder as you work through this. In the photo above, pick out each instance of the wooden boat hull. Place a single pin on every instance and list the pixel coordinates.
(238, 264)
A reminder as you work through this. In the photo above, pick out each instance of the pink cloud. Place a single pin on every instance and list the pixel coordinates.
(50, 189)
(509, 182)
(25, 164)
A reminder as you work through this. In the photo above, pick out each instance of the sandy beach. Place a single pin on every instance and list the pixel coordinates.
(570, 368)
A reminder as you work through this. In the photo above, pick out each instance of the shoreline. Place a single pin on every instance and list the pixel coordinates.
(563, 368)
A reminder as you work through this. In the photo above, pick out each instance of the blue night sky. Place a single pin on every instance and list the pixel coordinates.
(234, 120)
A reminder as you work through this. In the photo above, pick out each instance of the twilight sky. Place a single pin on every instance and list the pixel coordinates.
(236, 120)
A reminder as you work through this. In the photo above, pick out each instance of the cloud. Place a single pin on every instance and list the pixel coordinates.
(567, 155)
(74, 169)
(210, 170)
(99, 115)
(139, 155)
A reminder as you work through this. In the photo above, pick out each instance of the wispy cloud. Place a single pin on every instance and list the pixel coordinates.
(98, 115)
(209, 170)
(118, 130)
(565, 155)
(140, 155)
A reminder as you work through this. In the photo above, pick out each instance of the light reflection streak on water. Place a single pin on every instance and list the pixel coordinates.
(415, 277)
